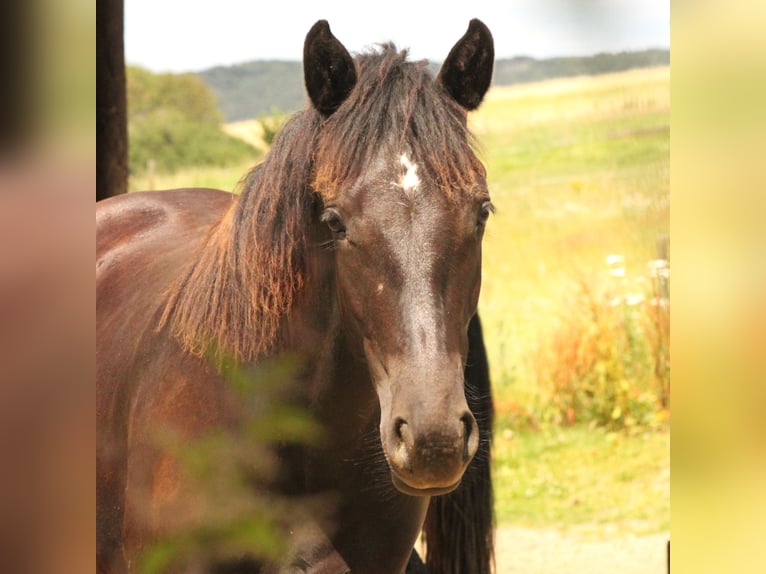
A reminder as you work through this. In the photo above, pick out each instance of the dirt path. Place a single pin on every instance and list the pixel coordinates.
(548, 551)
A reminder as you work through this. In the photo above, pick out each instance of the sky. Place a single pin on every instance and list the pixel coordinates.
(192, 35)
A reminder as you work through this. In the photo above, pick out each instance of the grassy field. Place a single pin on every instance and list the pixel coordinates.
(594, 482)
(579, 172)
(226, 178)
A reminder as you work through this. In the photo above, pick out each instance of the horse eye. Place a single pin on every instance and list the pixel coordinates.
(333, 220)
(486, 209)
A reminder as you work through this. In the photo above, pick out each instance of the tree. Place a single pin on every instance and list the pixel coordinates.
(173, 122)
(149, 93)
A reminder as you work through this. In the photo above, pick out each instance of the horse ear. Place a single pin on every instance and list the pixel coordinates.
(467, 71)
(328, 69)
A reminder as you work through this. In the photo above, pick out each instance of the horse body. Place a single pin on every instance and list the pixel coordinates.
(368, 273)
(134, 360)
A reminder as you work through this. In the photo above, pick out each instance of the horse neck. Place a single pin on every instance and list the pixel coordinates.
(337, 377)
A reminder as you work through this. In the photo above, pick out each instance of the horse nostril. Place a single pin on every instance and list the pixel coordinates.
(403, 442)
(470, 435)
(400, 428)
(467, 421)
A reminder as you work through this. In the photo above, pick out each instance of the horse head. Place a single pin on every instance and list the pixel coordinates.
(404, 203)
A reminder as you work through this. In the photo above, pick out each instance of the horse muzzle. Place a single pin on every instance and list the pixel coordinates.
(429, 459)
(428, 434)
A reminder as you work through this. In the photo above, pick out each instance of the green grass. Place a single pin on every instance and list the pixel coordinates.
(225, 178)
(589, 480)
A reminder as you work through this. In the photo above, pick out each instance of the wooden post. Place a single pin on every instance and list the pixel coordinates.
(111, 105)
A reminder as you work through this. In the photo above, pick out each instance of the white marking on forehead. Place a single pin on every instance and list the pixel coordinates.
(410, 179)
(380, 288)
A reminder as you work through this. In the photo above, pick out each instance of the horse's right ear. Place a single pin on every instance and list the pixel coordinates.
(328, 69)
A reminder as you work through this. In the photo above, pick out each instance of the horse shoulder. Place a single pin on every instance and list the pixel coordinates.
(142, 242)
(134, 219)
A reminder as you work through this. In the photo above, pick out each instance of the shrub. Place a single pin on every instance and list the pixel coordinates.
(607, 361)
(173, 122)
(270, 124)
(232, 516)
(173, 142)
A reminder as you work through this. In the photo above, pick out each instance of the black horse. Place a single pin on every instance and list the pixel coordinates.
(355, 248)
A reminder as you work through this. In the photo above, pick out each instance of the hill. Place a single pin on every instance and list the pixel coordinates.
(522, 69)
(251, 89)
(259, 87)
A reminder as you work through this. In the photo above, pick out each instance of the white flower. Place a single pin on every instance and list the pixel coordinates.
(614, 259)
(659, 268)
(632, 299)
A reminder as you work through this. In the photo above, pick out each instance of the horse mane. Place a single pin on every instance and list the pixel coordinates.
(396, 105)
(251, 267)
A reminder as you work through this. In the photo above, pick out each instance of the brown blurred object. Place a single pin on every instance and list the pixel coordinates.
(47, 311)
(47, 435)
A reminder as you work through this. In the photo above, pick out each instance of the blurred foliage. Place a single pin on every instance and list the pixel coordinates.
(173, 122)
(232, 516)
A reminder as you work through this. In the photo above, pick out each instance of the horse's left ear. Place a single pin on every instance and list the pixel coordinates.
(467, 71)
(328, 69)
